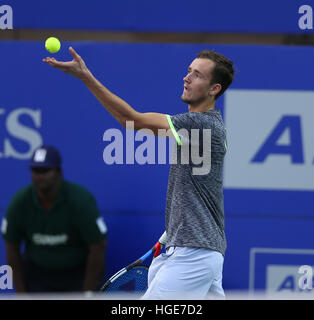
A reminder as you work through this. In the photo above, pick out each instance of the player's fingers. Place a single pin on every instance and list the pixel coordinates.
(74, 54)
(58, 64)
(47, 60)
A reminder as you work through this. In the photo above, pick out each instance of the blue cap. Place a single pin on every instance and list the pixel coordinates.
(46, 157)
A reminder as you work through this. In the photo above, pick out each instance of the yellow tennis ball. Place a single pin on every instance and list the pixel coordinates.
(52, 44)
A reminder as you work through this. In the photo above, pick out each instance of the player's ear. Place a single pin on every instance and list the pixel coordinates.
(215, 89)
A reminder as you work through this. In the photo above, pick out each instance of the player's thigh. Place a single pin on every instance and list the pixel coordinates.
(155, 266)
(189, 272)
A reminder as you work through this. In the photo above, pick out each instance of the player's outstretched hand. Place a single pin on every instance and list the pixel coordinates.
(76, 67)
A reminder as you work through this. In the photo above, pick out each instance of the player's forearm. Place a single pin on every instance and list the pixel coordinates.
(117, 107)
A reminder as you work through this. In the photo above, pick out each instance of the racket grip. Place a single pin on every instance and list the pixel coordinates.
(163, 238)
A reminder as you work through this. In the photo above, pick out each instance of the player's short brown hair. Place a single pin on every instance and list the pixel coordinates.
(223, 71)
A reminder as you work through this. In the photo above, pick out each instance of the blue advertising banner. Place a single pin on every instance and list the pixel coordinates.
(268, 112)
(293, 16)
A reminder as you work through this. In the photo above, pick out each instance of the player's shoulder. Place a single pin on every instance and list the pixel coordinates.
(212, 119)
(208, 119)
(188, 118)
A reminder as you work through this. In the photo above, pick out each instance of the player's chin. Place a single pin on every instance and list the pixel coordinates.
(185, 99)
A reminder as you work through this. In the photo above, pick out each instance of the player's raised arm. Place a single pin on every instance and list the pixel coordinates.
(117, 107)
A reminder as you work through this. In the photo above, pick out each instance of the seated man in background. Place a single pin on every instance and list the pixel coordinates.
(62, 230)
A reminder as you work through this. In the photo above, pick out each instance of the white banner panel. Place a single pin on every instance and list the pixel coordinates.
(284, 278)
(270, 139)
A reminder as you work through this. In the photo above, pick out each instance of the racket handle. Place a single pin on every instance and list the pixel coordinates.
(161, 242)
(163, 238)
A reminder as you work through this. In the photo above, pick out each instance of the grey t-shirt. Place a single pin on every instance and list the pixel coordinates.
(194, 207)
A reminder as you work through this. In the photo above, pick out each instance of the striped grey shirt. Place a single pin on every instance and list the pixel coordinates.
(194, 207)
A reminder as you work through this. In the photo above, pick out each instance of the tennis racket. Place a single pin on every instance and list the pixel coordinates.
(133, 277)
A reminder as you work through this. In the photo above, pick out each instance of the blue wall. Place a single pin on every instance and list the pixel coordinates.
(132, 197)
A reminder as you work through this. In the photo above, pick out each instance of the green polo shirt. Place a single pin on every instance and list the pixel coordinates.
(57, 238)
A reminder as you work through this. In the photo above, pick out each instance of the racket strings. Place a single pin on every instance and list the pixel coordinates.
(133, 280)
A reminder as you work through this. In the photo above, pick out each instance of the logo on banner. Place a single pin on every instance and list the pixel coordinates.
(270, 138)
(306, 19)
(18, 131)
(281, 270)
(6, 277)
(6, 17)
(293, 279)
(306, 278)
(290, 127)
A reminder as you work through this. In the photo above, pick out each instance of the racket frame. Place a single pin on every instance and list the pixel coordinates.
(129, 267)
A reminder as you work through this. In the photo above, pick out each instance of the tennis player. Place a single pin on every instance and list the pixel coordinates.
(193, 262)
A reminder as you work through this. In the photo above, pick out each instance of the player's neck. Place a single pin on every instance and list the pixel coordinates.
(202, 107)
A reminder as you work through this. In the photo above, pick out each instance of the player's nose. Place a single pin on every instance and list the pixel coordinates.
(187, 78)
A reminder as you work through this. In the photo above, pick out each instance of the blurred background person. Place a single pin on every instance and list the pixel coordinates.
(63, 233)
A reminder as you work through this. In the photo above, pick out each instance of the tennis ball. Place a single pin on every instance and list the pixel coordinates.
(52, 44)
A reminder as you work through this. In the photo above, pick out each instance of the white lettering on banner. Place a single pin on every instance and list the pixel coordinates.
(6, 17)
(306, 278)
(287, 278)
(21, 132)
(306, 18)
(6, 277)
(270, 139)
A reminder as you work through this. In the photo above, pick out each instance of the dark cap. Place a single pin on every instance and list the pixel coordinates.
(46, 157)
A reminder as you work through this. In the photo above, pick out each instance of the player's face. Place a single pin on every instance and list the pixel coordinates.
(197, 82)
(45, 179)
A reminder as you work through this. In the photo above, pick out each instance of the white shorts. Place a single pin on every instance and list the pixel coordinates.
(185, 273)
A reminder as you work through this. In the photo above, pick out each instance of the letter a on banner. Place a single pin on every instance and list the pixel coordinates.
(294, 148)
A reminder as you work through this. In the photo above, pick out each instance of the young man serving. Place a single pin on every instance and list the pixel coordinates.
(195, 247)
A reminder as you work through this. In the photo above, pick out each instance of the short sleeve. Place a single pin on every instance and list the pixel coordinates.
(185, 120)
(182, 124)
(11, 223)
(89, 221)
